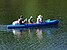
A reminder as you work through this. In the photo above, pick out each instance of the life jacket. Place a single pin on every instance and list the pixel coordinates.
(20, 21)
(31, 20)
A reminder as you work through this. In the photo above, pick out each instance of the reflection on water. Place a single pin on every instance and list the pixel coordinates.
(18, 33)
(34, 39)
(48, 31)
(39, 33)
(30, 33)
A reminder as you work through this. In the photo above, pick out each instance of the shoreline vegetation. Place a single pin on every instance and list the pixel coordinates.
(51, 9)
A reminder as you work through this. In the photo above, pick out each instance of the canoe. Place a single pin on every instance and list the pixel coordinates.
(43, 24)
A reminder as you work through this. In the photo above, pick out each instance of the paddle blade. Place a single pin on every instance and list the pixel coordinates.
(26, 19)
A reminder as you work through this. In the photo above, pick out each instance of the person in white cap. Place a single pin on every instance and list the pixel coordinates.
(30, 21)
(39, 19)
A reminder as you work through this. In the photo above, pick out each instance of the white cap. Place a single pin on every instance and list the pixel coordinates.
(31, 17)
(40, 16)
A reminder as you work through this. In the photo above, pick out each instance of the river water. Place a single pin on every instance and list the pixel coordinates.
(53, 38)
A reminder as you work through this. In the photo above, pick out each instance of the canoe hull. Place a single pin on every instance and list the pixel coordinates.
(45, 24)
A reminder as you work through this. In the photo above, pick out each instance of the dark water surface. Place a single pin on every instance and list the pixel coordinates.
(33, 39)
(53, 38)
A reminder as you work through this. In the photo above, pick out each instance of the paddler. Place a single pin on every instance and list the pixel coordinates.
(39, 19)
(21, 20)
(30, 21)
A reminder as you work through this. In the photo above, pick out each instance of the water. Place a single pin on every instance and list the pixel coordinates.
(33, 39)
(3, 27)
(52, 38)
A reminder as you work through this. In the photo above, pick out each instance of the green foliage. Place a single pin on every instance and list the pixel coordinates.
(49, 9)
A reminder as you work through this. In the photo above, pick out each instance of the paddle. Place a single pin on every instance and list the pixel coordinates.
(26, 20)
